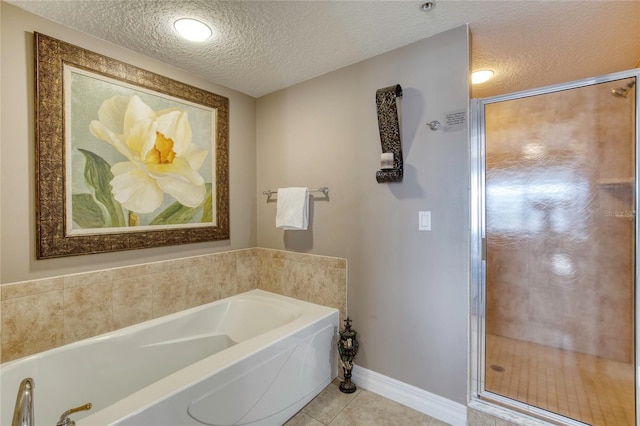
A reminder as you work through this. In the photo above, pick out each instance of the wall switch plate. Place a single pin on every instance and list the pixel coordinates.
(424, 221)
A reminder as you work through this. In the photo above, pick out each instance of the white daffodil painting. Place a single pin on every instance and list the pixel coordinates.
(138, 159)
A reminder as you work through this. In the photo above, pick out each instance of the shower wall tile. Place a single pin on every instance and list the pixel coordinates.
(43, 314)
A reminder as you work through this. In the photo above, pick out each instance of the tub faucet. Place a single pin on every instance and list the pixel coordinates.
(23, 412)
(64, 418)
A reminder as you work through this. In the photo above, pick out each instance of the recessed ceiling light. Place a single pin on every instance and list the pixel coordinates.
(192, 29)
(481, 76)
(426, 6)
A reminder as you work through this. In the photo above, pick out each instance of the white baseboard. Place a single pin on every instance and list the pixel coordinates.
(426, 402)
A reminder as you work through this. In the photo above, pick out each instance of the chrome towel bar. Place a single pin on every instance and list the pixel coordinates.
(324, 190)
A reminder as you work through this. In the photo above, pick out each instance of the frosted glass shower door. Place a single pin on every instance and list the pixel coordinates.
(559, 200)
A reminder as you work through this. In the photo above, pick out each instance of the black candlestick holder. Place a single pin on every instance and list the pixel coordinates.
(347, 349)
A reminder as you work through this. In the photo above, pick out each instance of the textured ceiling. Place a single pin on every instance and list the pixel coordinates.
(263, 46)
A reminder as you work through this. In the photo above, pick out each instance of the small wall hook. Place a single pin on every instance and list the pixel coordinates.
(434, 125)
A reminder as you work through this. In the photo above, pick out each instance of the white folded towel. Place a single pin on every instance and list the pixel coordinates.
(292, 208)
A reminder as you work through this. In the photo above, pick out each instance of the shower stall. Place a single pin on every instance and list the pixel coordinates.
(554, 237)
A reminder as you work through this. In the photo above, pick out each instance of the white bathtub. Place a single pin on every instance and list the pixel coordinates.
(255, 358)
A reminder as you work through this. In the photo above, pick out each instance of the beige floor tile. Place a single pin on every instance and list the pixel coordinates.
(369, 409)
(436, 422)
(326, 406)
(478, 418)
(584, 387)
(502, 422)
(301, 419)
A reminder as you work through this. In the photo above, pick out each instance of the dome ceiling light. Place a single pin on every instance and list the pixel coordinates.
(481, 76)
(192, 29)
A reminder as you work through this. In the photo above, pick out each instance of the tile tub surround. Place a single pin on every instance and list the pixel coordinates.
(44, 314)
(315, 279)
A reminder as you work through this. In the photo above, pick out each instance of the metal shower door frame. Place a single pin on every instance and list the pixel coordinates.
(477, 294)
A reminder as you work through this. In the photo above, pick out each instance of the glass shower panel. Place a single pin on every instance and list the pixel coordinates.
(560, 237)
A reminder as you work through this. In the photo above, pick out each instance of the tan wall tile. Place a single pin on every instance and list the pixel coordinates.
(246, 273)
(316, 279)
(79, 280)
(133, 271)
(28, 288)
(224, 276)
(88, 311)
(250, 252)
(31, 324)
(132, 300)
(168, 293)
(199, 288)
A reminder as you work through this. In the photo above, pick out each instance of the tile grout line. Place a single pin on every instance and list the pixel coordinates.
(345, 407)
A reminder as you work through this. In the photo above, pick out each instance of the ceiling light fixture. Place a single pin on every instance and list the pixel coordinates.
(481, 76)
(426, 6)
(192, 29)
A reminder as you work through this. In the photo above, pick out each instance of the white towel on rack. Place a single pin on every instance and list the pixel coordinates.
(292, 208)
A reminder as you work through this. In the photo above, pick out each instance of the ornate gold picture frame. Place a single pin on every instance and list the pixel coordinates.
(125, 158)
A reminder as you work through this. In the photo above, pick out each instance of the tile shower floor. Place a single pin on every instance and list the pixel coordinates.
(591, 389)
(361, 408)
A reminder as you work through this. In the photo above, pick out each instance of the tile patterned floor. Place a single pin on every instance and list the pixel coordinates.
(584, 387)
(361, 408)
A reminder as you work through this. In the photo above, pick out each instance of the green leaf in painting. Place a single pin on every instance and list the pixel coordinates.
(207, 211)
(97, 173)
(86, 212)
(177, 213)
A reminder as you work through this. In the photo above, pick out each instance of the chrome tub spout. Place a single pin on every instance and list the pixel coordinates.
(23, 412)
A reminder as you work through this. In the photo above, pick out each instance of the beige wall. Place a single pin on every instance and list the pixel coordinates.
(17, 197)
(407, 290)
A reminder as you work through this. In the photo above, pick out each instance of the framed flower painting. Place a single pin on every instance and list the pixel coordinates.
(126, 158)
